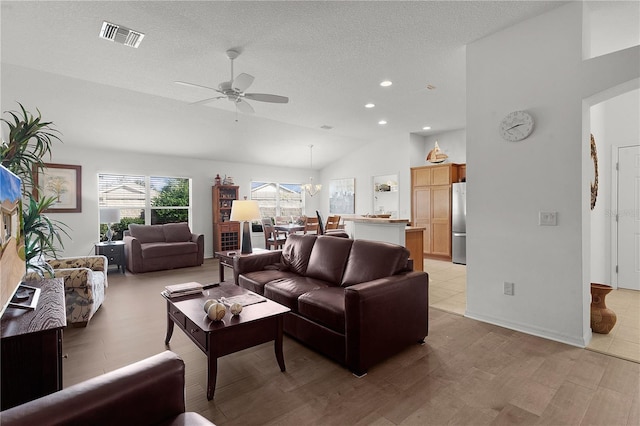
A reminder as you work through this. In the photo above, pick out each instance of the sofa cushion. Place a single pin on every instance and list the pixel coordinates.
(370, 260)
(177, 232)
(296, 252)
(328, 258)
(286, 291)
(324, 306)
(147, 233)
(152, 250)
(255, 281)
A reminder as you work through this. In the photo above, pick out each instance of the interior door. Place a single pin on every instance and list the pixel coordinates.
(629, 217)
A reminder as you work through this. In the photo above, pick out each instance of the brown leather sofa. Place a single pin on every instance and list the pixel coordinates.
(159, 247)
(356, 301)
(148, 392)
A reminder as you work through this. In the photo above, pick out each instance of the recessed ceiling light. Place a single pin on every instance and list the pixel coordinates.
(430, 87)
(426, 128)
(382, 122)
(369, 105)
(386, 83)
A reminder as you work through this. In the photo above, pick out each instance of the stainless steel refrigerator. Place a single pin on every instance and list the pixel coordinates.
(459, 223)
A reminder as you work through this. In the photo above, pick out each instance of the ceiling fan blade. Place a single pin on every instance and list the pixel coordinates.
(184, 83)
(206, 101)
(244, 106)
(264, 97)
(242, 82)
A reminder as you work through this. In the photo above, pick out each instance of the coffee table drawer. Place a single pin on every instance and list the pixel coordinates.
(177, 316)
(197, 335)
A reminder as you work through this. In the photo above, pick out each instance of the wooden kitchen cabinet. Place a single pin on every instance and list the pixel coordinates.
(431, 206)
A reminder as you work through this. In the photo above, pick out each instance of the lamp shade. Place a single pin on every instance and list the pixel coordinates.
(109, 215)
(245, 210)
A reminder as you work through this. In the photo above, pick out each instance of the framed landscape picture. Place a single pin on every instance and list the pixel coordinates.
(342, 196)
(63, 182)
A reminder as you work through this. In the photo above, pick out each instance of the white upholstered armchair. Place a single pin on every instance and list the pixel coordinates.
(85, 282)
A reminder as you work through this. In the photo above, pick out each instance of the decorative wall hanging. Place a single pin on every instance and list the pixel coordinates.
(436, 155)
(594, 184)
(62, 181)
(342, 196)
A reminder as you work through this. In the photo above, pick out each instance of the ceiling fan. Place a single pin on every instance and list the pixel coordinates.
(234, 90)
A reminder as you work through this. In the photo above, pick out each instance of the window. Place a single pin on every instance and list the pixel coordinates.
(278, 199)
(146, 200)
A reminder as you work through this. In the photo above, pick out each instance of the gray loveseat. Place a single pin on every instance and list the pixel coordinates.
(158, 247)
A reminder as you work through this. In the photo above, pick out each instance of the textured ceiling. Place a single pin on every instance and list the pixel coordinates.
(327, 57)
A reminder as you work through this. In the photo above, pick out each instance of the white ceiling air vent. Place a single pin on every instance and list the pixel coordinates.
(119, 34)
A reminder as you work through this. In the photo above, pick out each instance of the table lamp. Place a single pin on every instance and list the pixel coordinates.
(109, 216)
(245, 211)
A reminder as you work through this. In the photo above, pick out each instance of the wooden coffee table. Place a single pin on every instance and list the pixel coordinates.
(258, 323)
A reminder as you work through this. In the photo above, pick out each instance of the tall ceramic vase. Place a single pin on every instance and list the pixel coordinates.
(602, 318)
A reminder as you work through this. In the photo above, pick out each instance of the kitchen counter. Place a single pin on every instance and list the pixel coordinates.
(377, 229)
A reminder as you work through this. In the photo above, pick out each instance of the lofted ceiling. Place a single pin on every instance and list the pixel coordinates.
(327, 57)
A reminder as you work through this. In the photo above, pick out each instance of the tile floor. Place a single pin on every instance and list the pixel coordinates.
(447, 291)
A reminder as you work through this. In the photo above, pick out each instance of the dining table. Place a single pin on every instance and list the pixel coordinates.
(289, 228)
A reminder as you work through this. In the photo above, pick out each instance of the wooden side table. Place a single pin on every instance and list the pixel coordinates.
(32, 346)
(114, 252)
(226, 258)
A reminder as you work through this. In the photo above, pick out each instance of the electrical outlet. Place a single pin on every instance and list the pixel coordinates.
(548, 218)
(509, 288)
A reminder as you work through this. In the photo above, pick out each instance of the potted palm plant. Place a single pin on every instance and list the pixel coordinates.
(30, 140)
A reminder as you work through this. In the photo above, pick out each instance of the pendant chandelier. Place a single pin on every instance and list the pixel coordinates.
(311, 188)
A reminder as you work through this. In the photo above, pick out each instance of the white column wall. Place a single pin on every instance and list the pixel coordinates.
(535, 66)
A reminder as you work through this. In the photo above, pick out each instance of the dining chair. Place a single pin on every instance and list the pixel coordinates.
(272, 237)
(333, 222)
(312, 226)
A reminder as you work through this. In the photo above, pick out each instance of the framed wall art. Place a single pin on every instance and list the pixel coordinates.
(64, 183)
(342, 196)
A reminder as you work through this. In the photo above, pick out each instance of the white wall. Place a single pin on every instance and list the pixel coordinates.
(535, 66)
(384, 157)
(85, 229)
(614, 123)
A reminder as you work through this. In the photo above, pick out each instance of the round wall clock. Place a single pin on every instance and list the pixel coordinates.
(516, 126)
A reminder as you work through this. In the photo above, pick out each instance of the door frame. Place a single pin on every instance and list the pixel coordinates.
(615, 150)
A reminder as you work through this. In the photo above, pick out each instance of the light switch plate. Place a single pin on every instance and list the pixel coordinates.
(548, 218)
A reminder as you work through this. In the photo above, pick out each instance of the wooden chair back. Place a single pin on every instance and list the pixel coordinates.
(271, 236)
(312, 226)
(332, 222)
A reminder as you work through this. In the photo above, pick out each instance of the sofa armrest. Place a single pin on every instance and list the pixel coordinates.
(133, 253)
(147, 392)
(199, 240)
(255, 262)
(97, 263)
(383, 314)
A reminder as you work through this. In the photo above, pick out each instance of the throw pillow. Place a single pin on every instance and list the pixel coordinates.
(147, 233)
(177, 232)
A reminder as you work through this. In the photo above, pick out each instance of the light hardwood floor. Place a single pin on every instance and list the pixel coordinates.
(447, 290)
(467, 373)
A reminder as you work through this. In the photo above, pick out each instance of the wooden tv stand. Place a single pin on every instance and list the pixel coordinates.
(31, 341)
